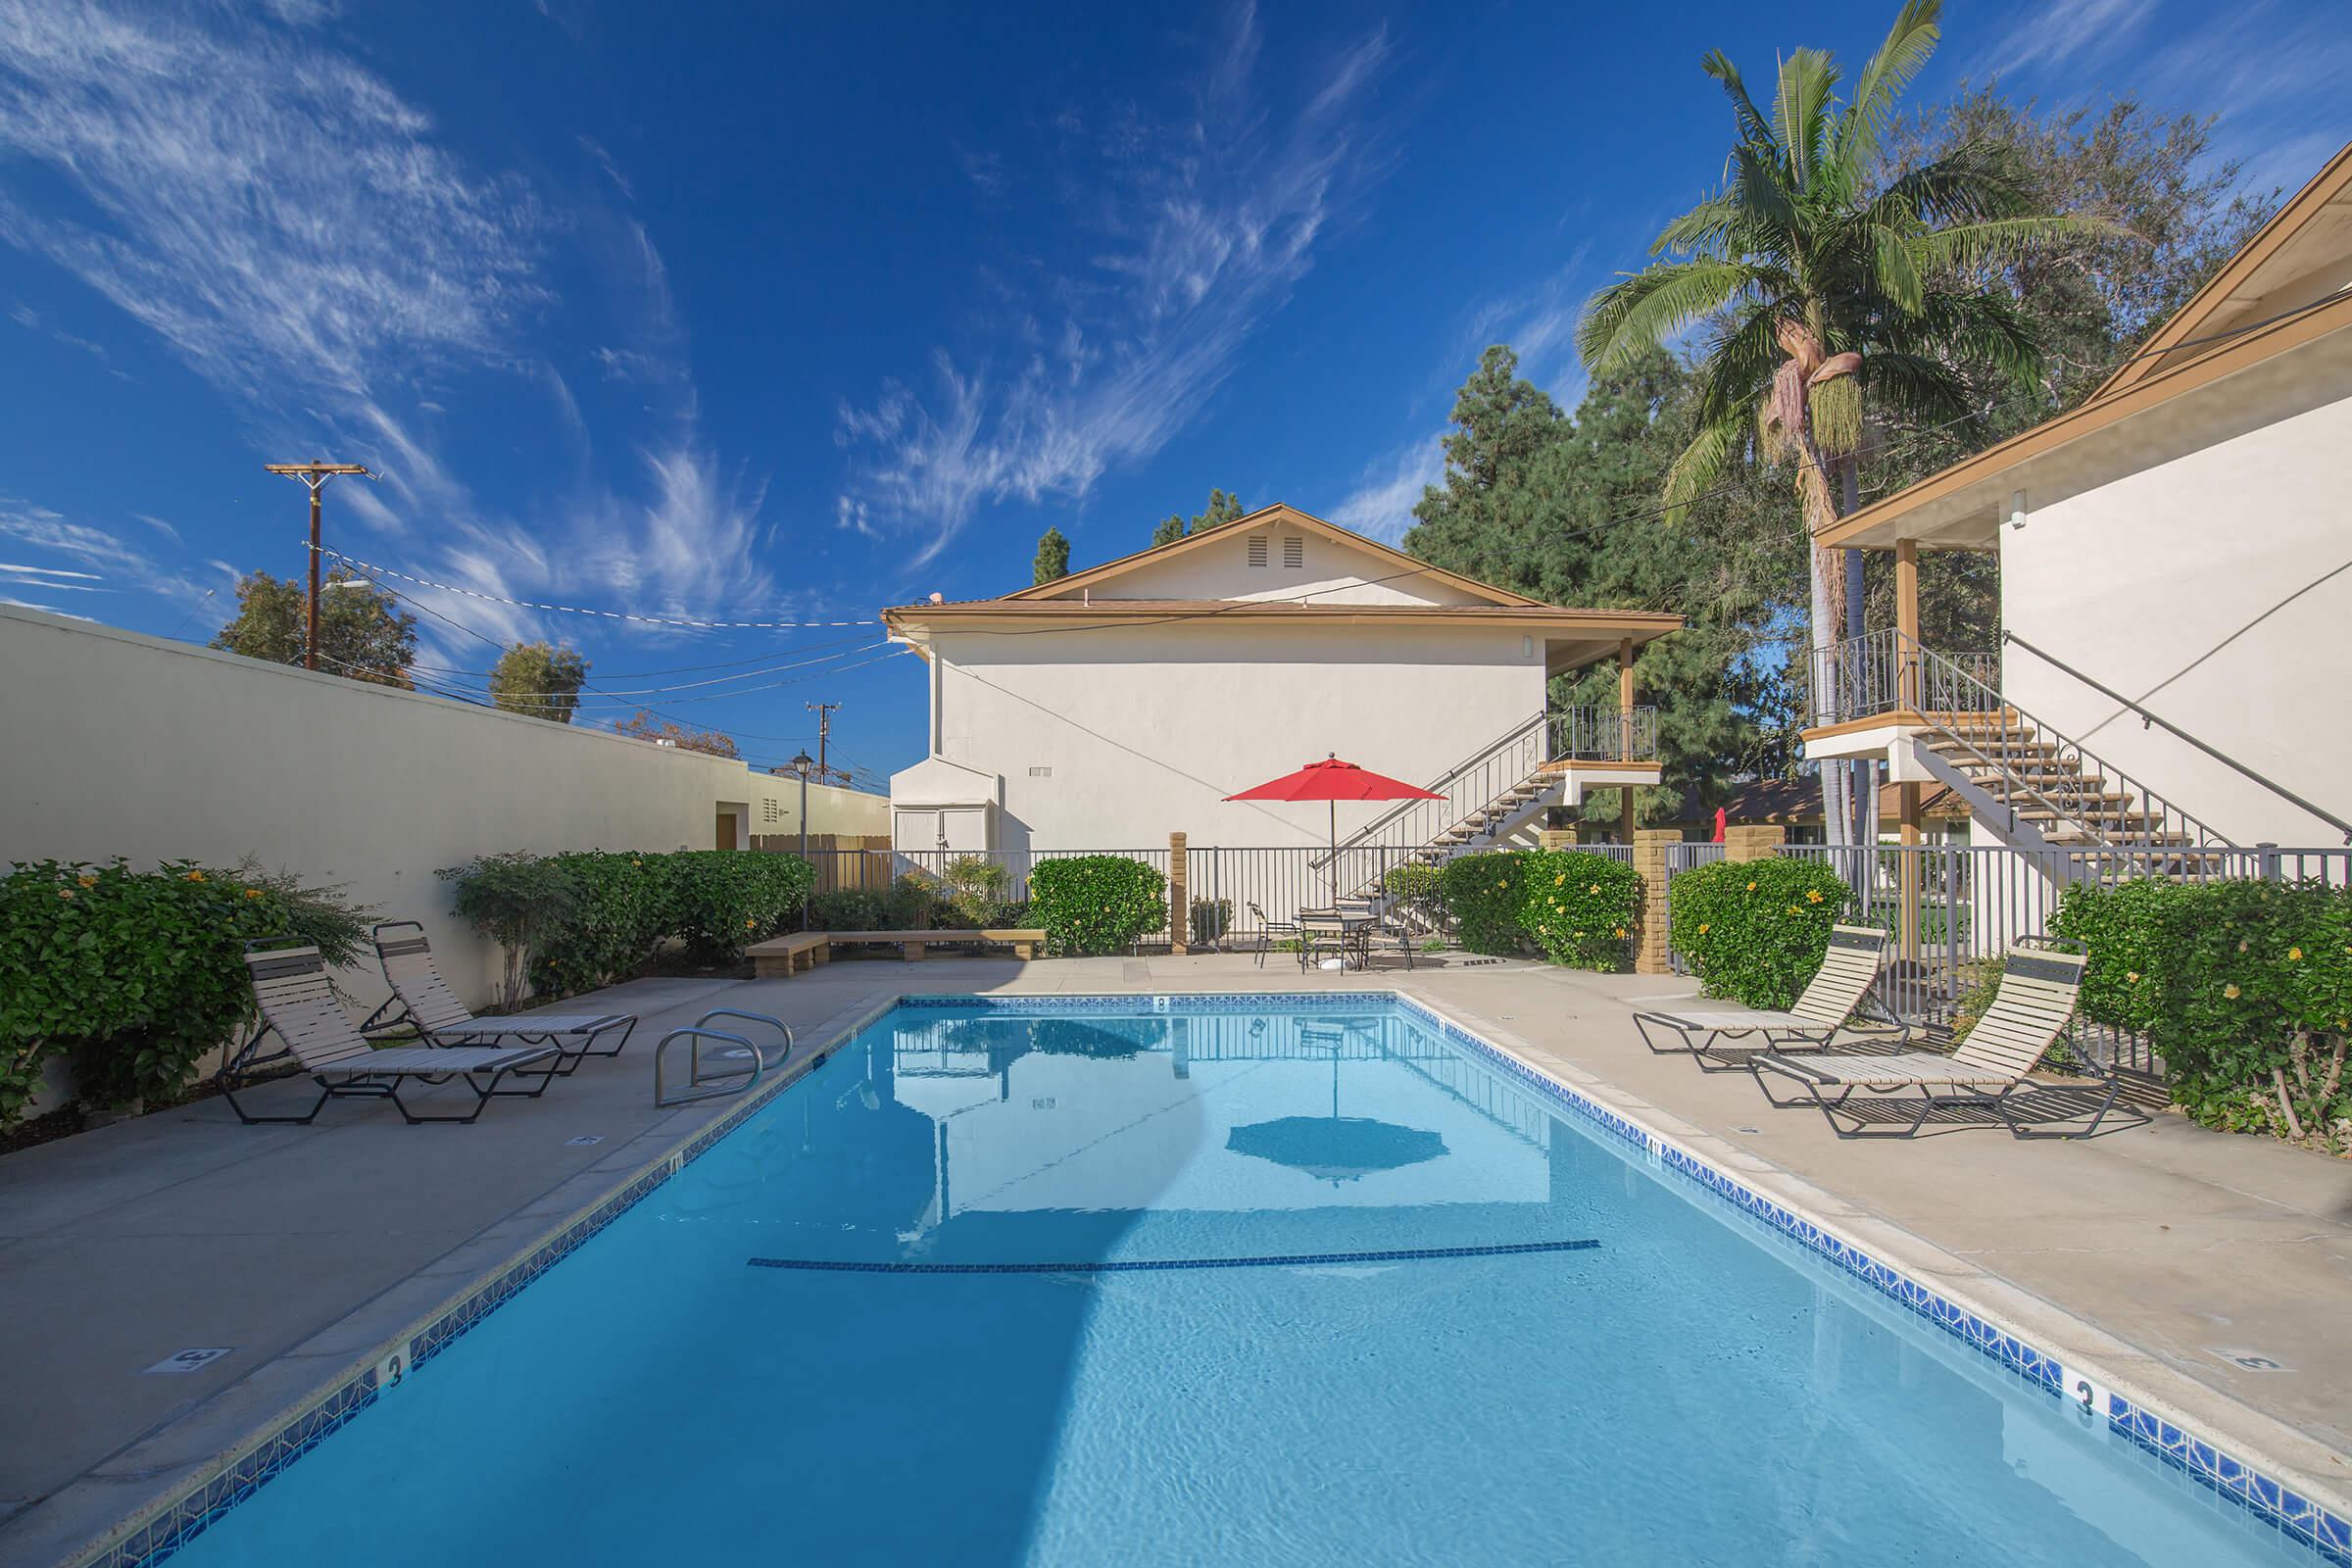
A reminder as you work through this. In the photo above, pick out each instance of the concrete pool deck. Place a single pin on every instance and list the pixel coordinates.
(2173, 1258)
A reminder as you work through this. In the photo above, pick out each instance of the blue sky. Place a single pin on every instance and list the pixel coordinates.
(784, 314)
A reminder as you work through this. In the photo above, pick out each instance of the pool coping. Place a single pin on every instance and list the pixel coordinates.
(290, 1405)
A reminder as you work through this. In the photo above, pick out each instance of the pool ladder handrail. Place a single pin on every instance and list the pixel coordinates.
(721, 1084)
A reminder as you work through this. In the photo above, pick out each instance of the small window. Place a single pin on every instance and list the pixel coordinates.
(1040, 772)
(1257, 549)
(1293, 552)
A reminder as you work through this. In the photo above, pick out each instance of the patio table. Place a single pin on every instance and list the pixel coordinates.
(1348, 931)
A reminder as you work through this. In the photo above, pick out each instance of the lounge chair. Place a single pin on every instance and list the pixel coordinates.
(423, 1000)
(2028, 1014)
(301, 1009)
(1269, 932)
(1847, 977)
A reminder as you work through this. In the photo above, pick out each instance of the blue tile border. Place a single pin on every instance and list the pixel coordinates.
(2297, 1518)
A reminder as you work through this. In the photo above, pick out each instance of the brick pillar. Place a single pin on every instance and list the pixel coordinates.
(1557, 838)
(1180, 904)
(1754, 842)
(1650, 859)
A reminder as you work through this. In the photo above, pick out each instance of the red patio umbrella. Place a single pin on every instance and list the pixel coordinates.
(1332, 781)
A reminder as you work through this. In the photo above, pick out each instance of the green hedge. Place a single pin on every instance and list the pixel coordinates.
(626, 906)
(1577, 908)
(1096, 903)
(1483, 893)
(911, 904)
(1580, 907)
(1757, 930)
(2243, 986)
(134, 976)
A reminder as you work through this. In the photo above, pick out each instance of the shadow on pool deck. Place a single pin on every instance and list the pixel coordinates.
(186, 1230)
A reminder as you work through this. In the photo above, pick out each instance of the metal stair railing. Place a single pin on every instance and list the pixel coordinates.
(1887, 672)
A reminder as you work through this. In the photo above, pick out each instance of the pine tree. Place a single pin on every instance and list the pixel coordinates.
(1223, 507)
(1053, 558)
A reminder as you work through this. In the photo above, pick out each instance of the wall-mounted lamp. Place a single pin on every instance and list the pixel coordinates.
(2017, 508)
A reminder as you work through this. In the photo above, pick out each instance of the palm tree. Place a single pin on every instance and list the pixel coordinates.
(1816, 291)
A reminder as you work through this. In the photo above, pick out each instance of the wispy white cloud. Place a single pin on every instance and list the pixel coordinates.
(101, 562)
(1210, 222)
(1381, 503)
(2054, 32)
(603, 160)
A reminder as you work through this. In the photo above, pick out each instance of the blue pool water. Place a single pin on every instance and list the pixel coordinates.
(693, 1387)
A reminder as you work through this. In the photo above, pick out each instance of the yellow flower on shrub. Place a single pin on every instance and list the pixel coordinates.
(2230, 992)
(1702, 928)
(65, 893)
(1812, 895)
(1594, 888)
(1752, 887)
(1557, 880)
(1793, 909)
(2132, 978)
(253, 893)
(87, 881)
(1621, 932)
(195, 876)
(2294, 955)
(748, 924)
(1580, 936)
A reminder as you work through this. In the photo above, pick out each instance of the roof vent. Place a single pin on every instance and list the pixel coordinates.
(1293, 552)
(1257, 549)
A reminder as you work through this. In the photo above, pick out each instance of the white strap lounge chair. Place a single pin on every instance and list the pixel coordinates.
(300, 1007)
(2028, 1014)
(1725, 1039)
(423, 1000)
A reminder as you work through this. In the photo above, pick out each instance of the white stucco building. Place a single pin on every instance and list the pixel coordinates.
(2176, 569)
(1122, 704)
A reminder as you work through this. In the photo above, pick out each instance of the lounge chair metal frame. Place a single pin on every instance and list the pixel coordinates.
(1269, 932)
(423, 1000)
(1987, 1071)
(1847, 983)
(298, 1006)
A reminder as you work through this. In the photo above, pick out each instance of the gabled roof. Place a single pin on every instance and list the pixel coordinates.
(2289, 290)
(2311, 231)
(1277, 515)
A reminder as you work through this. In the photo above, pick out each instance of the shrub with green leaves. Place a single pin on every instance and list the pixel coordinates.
(1211, 918)
(976, 888)
(618, 916)
(1484, 893)
(1757, 930)
(2243, 986)
(136, 976)
(1420, 891)
(723, 901)
(1580, 907)
(848, 910)
(1090, 904)
(516, 899)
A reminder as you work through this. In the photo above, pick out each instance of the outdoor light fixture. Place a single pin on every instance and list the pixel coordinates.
(803, 764)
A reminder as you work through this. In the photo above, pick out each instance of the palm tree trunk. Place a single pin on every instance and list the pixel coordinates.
(1820, 511)
(1863, 793)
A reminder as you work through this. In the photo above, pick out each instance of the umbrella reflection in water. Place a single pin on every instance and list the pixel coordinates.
(1335, 1149)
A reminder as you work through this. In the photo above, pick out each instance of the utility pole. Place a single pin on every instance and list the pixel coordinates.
(314, 475)
(824, 729)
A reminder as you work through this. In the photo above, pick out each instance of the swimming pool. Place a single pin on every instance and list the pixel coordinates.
(1193, 1280)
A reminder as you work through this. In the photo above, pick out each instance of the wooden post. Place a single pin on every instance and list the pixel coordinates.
(1906, 624)
(1625, 734)
(1180, 904)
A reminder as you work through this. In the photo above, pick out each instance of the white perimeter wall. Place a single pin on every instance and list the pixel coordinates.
(125, 745)
(2190, 586)
(1147, 729)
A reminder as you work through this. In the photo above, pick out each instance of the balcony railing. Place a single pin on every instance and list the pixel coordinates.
(1882, 672)
(1603, 734)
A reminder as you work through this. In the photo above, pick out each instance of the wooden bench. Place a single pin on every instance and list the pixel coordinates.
(781, 958)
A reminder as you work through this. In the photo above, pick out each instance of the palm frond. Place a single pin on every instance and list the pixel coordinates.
(1737, 365)
(1649, 308)
(1800, 107)
(1700, 231)
(1975, 181)
(1966, 246)
(1916, 387)
(1896, 270)
(1764, 201)
(1753, 126)
(1701, 464)
(1909, 43)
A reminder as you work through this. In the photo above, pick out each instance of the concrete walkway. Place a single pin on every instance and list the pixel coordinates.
(2208, 1257)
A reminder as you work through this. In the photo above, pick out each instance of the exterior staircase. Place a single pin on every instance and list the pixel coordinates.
(2033, 786)
(1488, 799)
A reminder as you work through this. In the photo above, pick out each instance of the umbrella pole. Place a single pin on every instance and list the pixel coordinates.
(1333, 806)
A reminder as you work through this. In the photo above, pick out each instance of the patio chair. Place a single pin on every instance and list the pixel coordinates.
(2029, 1011)
(423, 1000)
(1270, 932)
(301, 1009)
(1847, 977)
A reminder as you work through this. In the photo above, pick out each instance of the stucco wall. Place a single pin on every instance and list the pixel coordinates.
(2200, 586)
(1147, 728)
(1333, 572)
(125, 745)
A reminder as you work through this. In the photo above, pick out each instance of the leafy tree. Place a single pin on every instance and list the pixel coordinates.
(1053, 558)
(541, 681)
(1815, 284)
(1539, 502)
(1223, 507)
(362, 632)
(645, 725)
